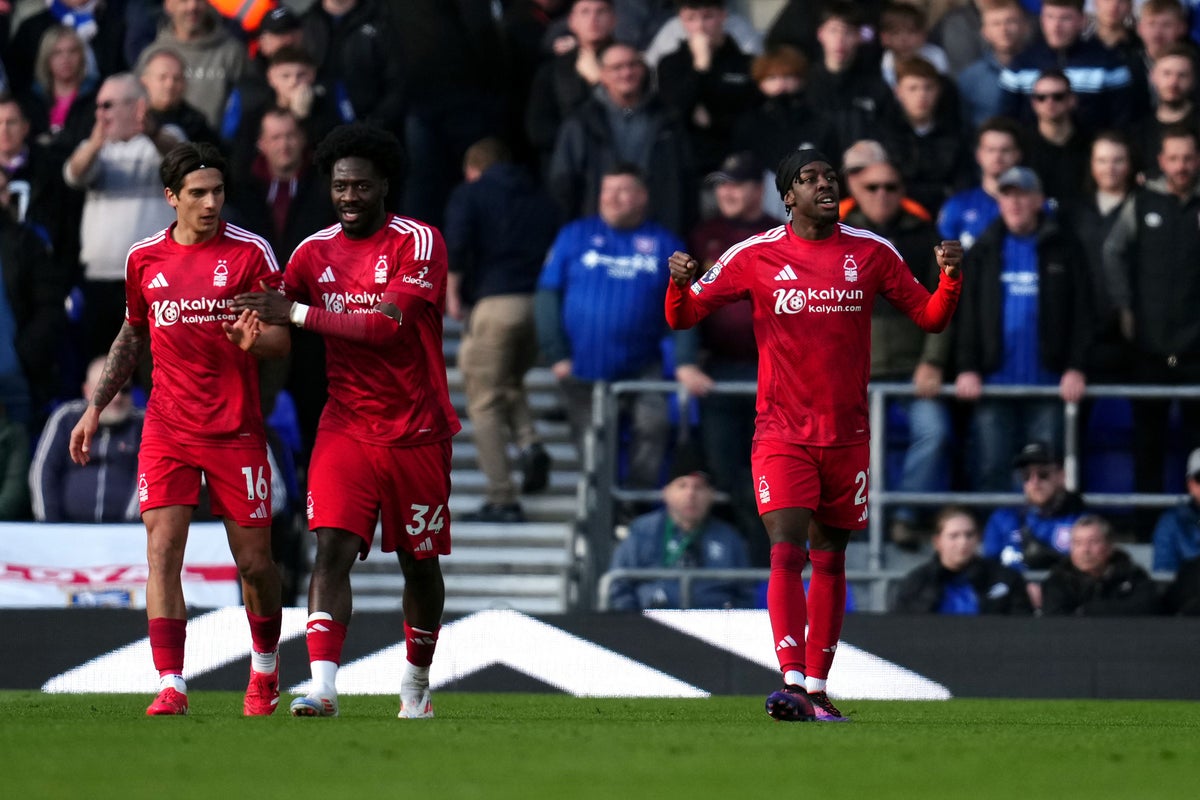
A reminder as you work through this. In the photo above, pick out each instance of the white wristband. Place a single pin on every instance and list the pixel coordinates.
(298, 314)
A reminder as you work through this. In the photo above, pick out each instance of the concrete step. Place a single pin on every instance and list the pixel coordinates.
(550, 431)
(541, 404)
(563, 455)
(486, 534)
(538, 508)
(474, 482)
(538, 379)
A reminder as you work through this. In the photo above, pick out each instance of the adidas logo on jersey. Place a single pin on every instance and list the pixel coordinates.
(159, 282)
(327, 276)
(261, 512)
(786, 274)
(424, 547)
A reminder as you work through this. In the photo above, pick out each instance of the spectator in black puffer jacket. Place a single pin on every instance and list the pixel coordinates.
(1097, 579)
(957, 580)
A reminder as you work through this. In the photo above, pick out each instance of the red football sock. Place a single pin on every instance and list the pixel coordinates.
(786, 604)
(420, 645)
(826, 609)
(167, 636)
(325, 638)
(264, 631)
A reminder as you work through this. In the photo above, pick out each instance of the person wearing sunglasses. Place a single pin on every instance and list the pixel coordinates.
(900, 351)
(1058, 150)
(1036, 534)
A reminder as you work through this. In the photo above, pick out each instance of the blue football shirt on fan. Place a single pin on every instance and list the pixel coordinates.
(612, 284)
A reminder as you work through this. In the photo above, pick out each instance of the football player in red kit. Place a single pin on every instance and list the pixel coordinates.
(374, 286)
(812, 283)
(203, 418)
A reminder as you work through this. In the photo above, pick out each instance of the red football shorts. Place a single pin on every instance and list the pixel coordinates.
(352, 485)
(832, 481)
(238, 478)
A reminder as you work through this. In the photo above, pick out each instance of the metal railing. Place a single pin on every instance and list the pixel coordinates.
(601, 458)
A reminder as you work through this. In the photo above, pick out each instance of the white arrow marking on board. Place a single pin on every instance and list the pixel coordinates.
(541, 651)
(213, 640)
(856, 673)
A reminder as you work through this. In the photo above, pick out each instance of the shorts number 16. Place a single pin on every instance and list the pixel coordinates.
(256, 488)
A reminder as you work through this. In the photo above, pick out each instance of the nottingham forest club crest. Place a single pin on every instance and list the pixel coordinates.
(221, 273)
(850, 269)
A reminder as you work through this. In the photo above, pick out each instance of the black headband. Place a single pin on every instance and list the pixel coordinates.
(792, 163)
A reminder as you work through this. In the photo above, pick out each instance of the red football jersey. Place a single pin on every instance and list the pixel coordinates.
(205, 387)
(812, 321)
(395, 394)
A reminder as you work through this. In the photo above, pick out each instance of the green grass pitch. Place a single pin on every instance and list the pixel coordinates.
(555, 746)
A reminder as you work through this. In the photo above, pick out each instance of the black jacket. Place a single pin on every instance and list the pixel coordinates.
(36, 287)
(724, 91)
(309, 211)
(782, 124)
(1150, 260)
(557, 90)
(586, 148)
(1124, 589)
(498, 230)
(1000, 590)
(1064, 301)
(360, 57)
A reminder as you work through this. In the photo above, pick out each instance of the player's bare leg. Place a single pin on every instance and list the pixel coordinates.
(787, 529)
(826, 610)
(251, 548)
(423, 602)
(166, 611)
(329, 605)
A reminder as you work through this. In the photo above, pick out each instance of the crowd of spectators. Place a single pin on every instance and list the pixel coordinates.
(1056, 139)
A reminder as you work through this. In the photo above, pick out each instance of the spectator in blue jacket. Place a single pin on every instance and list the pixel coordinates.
(1035, 535)
(681, 535)
(105, 490)
(1177, 534)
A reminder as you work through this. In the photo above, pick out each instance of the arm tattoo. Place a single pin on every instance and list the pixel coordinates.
(123, 358)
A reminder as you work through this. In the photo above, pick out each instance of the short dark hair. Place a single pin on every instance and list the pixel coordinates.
(917, 67)
(1178, 130)
(1054, 74)
(361, 140)
(1075, 4)
(699, 3)
(626, 168)
(290, 54)
(279, 112)
(1001, 124)
(843, 10)
(895, 16)
(186, 158)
